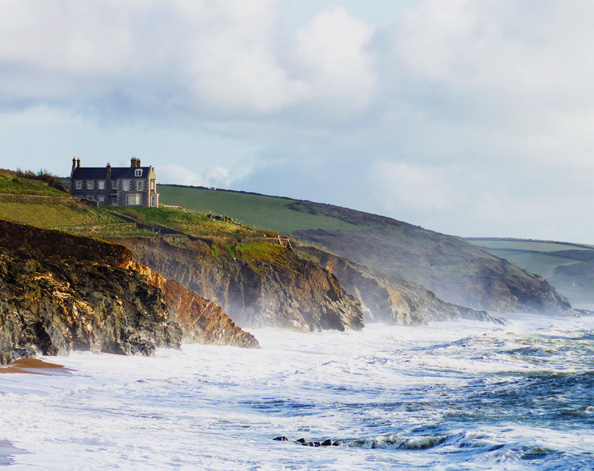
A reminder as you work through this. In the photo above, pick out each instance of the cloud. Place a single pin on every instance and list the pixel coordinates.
(400, 185)
(332, 54)
(217, 176)
(473, 110)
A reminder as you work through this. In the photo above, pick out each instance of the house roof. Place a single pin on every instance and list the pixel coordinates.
(100, 173)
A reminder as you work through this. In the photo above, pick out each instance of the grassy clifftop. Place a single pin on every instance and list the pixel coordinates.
(456, 270)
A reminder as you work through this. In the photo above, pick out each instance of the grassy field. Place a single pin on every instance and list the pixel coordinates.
(527, 245)
(255, 210)
(190, 222)
(11, 183)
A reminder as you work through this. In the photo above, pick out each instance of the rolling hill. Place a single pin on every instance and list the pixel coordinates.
(456, 270)
(568, 267)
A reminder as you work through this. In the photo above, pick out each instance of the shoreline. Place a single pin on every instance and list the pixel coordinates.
(34, 366)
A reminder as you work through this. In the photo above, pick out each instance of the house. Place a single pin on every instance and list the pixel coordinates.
(115, 186)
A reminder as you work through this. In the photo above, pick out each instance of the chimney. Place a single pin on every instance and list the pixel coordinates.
(73, 165)
(77, 163)
(108, 172)
(138, 162)
(133, 162)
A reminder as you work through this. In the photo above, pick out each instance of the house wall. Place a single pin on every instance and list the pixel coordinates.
(118, 196)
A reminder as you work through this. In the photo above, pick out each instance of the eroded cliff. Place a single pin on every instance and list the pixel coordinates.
(60, 292)
(258, 284)
(391, 300)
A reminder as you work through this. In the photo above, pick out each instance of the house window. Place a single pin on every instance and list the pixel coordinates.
(114, 184)
(101, 199)
(133, 200)
(101, 185)
(90, 185)
(139, 186)
(153, 201)
(126, 185)
(152, 185)
(138, 172)
(79, 184)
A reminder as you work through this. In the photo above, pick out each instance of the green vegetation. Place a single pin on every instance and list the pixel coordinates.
(255, 210)
(96, 222)
(527, 245)
(29, 183)
(189, 222)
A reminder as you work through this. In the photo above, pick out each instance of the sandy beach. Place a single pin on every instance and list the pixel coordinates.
(34, 366)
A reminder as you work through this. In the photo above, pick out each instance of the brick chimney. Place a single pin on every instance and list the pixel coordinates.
(108, 172)
(77, 163)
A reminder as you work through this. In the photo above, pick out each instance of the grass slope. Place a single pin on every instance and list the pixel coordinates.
(255, 210)
(453, 268)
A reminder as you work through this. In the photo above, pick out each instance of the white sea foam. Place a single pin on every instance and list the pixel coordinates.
(444, 396)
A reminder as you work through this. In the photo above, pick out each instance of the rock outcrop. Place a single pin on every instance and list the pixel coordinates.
(61, 292)
(258, 285)
(391, 300)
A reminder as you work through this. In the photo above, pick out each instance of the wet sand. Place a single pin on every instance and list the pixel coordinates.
(34, 366)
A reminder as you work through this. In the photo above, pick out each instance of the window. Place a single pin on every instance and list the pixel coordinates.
(101, 185)
(139, 186)
(133, 200)
(79, 184)
(101, 199)
(152, 185)
(126, 185)
(114, 184)
(90, 185)
(138, 172)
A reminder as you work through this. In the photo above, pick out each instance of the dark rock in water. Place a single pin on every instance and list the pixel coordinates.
(392, 300)
(60, 292)
(304, 442)
(281, 289)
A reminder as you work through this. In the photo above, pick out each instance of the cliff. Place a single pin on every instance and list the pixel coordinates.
(454, 269)
(391, 300)
(261, 284)
(61, 292)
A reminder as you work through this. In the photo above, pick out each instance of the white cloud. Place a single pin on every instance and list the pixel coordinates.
(479, 110)
(332, 52)
(399, 185)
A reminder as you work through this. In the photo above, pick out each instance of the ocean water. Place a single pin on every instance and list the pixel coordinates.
(447, 396)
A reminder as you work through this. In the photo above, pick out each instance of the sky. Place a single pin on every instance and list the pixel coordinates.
(472, 118)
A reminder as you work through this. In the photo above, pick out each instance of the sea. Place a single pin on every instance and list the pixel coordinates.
(459, 395)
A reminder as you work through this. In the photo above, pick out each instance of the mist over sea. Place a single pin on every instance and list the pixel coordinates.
(447, 396)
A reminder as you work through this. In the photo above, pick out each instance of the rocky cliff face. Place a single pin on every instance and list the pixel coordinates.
(275, 289)
(389, 299)
(201, 320)
(60, 292)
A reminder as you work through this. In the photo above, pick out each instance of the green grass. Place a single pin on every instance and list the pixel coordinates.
(96, 222)
(528, 245)
(13, 184)
(190, 222)
(51, 215)
(255, 210)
